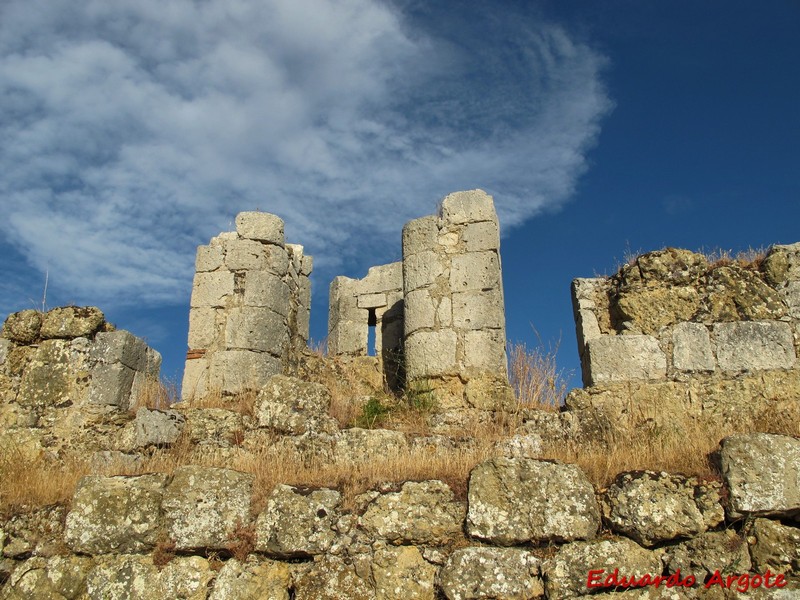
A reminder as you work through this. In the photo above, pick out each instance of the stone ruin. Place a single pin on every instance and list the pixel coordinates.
(250, 308)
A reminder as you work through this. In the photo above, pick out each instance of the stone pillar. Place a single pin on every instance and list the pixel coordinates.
(453, 293)
(249, 310)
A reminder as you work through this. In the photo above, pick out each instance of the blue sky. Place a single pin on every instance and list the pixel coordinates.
(134, 131)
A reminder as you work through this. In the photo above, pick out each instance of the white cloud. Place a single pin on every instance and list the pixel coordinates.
(135, 130)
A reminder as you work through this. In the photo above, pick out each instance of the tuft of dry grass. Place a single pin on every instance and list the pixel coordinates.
(535, 378)
(745, 259)
(155, 394)
(243, 402)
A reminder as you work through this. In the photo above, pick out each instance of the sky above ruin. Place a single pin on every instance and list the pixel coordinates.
(133, 131)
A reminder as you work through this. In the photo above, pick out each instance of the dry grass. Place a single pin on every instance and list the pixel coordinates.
(534, 376)
(243, 402)
(746, 259)
(155, 394)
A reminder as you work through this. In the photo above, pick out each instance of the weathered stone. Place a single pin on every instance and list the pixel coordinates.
(520, 446)
(651, 308)
(485, 351)
(402, 574)
(775, 547)
(260, 226)
(291, 406)
(204, 326)
(782, 264)
(724, 550)
(234, 371)
(245, 255)
(487, 392)
(212, 289)
(567, 572)
(513, 501)
(297, 522)
(419, 311)
(115, 514)
(264, 289)
(691, 348)
(208, 258)
(331, 578)
(203, 506)
(158, 427)
(430, 353)
(656, 507)
(487, 573)
(111, 384)
(420, 513)
(762, 473)
(252, 580)
(213, 427)
(71, 322)
(624, 357)
(747, 346)
(49, 378)
(23, 327)
(671, 265)
(124, 577)
(256, 329)
(478, 310)
(120, 347)
(364, 445)
(186, 578)
(5, 346)
(420, 235)
(467, 207)
(422, 270)
(475, 271)
(482, 236)
(736, 293)
(55, 578)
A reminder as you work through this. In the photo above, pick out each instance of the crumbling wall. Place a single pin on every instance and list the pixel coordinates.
(373, 301)
(250, 307)
(453, 293)
(720, 337)
(65, 377)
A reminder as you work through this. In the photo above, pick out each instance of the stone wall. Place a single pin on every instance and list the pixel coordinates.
(373, 301)
(65, 377)
(721, 337)
(250, 307)
(526, 529)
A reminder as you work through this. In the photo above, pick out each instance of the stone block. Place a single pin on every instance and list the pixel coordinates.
(259, 329)
(260, 226)
(203, 506)
(23, 326)
(485, 350)
(5, 345)
(782, 264)
(422, 269)
(306, 265)
(267, 290)
(111, 384)
(482, 236)
(69, 322)
(115, 514)
(217, 427)
(419, 311)
(776, 547)
(791, 296)
(204, 326)
(762, 474)
(49, 376)
(120, 347)
(232, 371)
(209, 258)
(724, 551)
(371, 301)
(253, 579)
(303, 323)
(211, 289)
(294, 407)
(691, 348)
(515, 500)
(195, 379)
(403, 574)
(333, 578)
(624, 357)
(348, 337)
(430, 353)
(158, 427)
(245, 255)
(383, 278)
(467, 207)
(475, 271)
(297, 524)
(444, 312)
(479, 310)
(295, 254)
(420, 235)
(754, 345)
(128, 576)
(472, 573)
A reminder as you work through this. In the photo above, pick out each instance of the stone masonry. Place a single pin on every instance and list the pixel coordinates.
(374, 301)
(250, 307)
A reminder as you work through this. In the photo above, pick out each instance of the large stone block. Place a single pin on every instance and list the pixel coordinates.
(382, 278)
(485, 350)
(158, 427)
(49, 377)
(120, 347)
(348, 337)
(211, 289)
(259, 329)
(245, 255)
(430, 353)
(509, 573)
(587, 327)
(475, 271)
(266, 289)
(195, 379)
(479, 310)
(204, 506)
(69, 322)
(751, 345)
(420, 235)
(691, 348)
(420, 311)
(403, 574)
(111, 384)
(277, 259)
(467, 207)
(762, 474)
(23, 327)
(252, 580)
(372, 300)
(516, 500)
(294, 407)
(233, 371)
(422, 269)
(782, 264)
(260, 226)
(115, 514)
(209, 258)
(482, 236)
(624, 357)
(204, 326)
